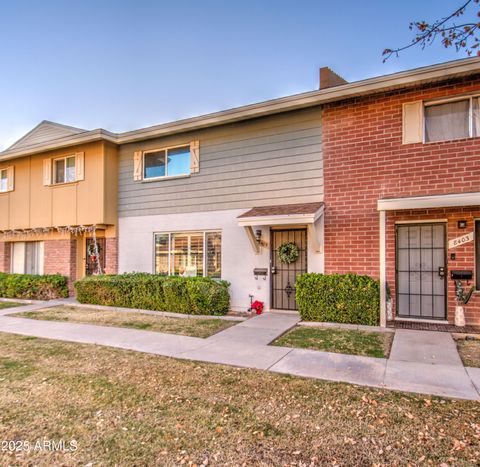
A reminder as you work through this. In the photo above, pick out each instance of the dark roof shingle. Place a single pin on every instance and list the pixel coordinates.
(283, 210)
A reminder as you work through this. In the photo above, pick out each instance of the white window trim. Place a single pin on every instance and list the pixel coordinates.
(39, 257)
(4, 170)
(186, 232)
(434, 102)
(64, 158)
(166, 176)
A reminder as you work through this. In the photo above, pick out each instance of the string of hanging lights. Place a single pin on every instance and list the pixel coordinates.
(74, 230)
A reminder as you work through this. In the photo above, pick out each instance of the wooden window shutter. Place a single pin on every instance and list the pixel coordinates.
(80, 166)
(194, 157)
(47, 172)
(137, 165)
(10, 178)
(413, 122)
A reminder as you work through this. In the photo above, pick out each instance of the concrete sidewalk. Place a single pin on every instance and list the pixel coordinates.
(420, 362)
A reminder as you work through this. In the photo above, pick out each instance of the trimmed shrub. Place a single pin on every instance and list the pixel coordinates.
(208, 297)
(340, 298)
(188, 295)
(32, 287)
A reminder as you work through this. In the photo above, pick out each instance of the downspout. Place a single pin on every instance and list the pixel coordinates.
(383, 272)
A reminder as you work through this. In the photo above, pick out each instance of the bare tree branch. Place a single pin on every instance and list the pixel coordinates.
(462, 36)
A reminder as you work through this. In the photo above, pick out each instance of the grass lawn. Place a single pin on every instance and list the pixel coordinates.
(128, 408)
(9, 304)
(370, 344)
(469, 352)
(183, 326)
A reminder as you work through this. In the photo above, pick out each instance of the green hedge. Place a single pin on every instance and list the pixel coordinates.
(189, 295)
(340, 298)
(28, 286)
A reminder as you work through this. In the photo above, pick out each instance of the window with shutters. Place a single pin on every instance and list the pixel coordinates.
(3, 180)
(168, 162)
(64, 170)
(6, 179)
(189, 254)
(452, 119)
(444, 120)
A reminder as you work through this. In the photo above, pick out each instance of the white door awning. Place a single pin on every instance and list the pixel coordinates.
(433, 201)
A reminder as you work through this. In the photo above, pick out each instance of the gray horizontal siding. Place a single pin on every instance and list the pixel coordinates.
(274, 160)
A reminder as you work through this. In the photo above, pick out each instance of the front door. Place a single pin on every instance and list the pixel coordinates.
(94, 263)
(420, 271)
(284, 273)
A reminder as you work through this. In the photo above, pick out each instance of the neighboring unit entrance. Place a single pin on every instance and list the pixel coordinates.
(420, 271)
(93, 262)
(284, 275)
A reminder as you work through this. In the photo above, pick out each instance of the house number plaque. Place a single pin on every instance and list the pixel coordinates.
(460, 240)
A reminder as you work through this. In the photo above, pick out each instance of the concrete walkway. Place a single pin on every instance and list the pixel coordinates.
(420, 361)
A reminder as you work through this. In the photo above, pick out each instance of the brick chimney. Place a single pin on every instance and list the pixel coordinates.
(329, 78)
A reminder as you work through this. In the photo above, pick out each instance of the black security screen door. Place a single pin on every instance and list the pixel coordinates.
(284, 275)
(421, 271)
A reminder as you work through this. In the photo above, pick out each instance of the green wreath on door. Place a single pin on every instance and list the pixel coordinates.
(288, 252)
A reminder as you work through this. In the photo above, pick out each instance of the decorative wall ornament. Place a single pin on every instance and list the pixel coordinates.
(288, 252)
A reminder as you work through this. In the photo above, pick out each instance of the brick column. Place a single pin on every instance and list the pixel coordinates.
(111, 256)
(5, 256)
(61, 258)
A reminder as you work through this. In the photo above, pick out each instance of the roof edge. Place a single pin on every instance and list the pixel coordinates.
(66, 141)
(404, 79)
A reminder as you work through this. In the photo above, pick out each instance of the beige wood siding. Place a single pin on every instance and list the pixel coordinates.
(265, 161)
(90, 200)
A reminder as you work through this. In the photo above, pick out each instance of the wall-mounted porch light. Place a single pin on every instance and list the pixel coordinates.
(462, 224)
(258, 236)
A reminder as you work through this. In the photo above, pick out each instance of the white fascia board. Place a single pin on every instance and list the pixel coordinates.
(291, 219)
(425, 202)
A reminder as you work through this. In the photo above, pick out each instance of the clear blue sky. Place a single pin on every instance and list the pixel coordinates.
(124, 64)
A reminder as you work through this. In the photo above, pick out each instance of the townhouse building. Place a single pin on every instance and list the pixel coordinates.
(58, 191)
(377, 177)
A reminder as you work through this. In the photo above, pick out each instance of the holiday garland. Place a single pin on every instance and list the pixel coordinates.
(288, 252)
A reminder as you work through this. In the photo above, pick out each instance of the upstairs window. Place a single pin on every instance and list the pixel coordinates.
(452, 120)
(166, 162)
(6, 179)
(64, 170)
(3, 180)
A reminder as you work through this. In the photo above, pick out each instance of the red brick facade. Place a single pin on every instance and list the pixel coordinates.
(60, 257)
(5, 256)
(365, 160)
(111, 255)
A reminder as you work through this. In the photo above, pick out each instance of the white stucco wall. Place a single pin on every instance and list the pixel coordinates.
(136, 249)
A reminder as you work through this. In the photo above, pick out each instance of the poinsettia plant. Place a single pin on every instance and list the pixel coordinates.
(257, 306)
